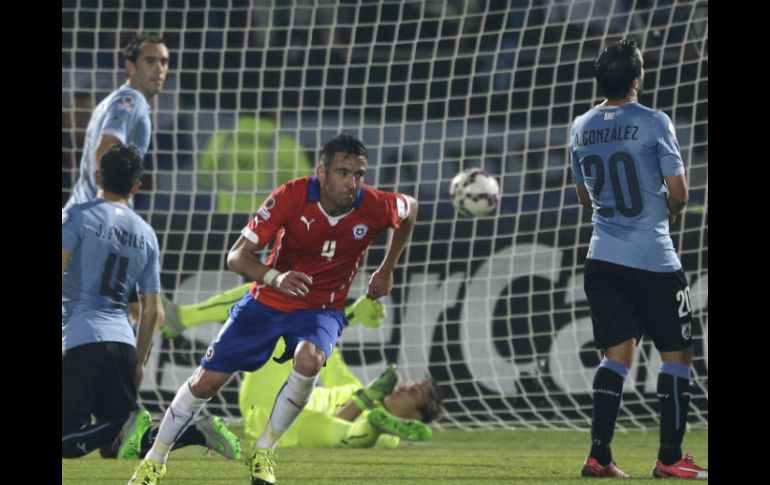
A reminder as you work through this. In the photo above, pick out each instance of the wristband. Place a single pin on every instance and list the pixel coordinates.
(270, 276)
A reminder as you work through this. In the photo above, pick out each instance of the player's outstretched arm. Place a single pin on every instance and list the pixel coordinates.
(381, 281)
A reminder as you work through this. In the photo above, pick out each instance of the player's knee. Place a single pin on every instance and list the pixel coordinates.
(622, 353)
(204, 385)
(309, 359)
(203, 389)
(308, 366)
(683, 356)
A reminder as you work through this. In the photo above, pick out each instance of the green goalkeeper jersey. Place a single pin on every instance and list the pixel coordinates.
(316, 426)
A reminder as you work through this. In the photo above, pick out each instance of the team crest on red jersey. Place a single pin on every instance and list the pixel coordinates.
(360, 231)
(264, 211)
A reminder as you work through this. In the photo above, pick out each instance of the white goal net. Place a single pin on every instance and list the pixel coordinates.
(493, 307)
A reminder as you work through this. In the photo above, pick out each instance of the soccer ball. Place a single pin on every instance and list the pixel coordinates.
(474, 192)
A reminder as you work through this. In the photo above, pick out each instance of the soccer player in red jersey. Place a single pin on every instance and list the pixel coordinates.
(320, 228)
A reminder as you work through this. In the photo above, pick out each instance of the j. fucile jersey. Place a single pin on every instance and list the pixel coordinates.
(621, 154)
(112, 249)
(123, 114)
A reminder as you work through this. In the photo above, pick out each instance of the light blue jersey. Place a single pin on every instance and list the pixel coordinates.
(111, 251)
(621, 154)
(123, 114)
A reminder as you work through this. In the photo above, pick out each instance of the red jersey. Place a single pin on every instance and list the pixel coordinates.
(329, 249)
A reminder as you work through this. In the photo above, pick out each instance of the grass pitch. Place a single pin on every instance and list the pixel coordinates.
(452, 457)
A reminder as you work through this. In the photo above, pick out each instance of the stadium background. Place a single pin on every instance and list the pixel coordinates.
(493, 308)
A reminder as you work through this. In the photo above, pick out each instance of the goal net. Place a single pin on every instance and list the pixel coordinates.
(491, 307)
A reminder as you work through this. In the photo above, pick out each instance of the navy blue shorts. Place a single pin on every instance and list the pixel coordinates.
(97, 379)
(628, 302)
(249, 336)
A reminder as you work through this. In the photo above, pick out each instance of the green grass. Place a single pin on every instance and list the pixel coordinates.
(452, 457)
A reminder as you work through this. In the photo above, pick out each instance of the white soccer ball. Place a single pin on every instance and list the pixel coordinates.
(474, 192)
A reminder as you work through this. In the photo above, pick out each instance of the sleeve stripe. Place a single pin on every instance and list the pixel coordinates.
(250, 235)
(404, 199)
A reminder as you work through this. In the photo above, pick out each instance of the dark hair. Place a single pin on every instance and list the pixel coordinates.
(617, 66)
(121, 167)
(134, 46)
(431, 409)
(344, 143)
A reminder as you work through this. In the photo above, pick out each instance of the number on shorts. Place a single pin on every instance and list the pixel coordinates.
(685, 306)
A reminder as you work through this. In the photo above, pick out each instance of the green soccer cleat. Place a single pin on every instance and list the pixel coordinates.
(261, 464)
(365, 311)
(219, 438)
(130, 437)
(375, 392)
(408, 429)
(171, 327)
(148, 473)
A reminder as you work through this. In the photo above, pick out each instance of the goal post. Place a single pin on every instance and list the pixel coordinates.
(492, 307)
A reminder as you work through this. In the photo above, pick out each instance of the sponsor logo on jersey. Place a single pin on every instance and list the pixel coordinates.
(264, 213)
(209, 352)
(360, 230)
(307, 223)
(687, 331)
(609, 116)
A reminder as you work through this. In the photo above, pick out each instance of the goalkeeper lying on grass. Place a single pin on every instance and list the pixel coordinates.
(342, 413)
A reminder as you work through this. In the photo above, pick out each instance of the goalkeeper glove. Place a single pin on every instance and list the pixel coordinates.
(365, 311)
(368, 397)
(408, 429)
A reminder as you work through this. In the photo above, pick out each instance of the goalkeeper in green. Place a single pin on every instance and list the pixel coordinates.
(343, 413)
(338, 414)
